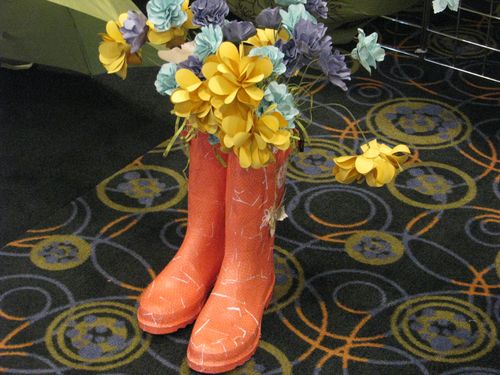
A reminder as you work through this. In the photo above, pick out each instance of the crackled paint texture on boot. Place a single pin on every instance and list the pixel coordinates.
(227, 331)
(177, 295)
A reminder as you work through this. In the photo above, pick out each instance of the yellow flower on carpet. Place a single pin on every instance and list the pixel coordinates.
(114, 52)
(192, 101)
(264, 37)
(253, 139)
(378, 164)
(233, 76)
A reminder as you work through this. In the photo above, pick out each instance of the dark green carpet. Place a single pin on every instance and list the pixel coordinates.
(399, 280)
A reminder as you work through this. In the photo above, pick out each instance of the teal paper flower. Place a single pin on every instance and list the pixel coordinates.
(165, 81)
(274, 54)
(440, 5)
(165, 14)
(285, 3)
(207, 41)
(368, 51)
(213, 139)
(278, 94)
(295, 13)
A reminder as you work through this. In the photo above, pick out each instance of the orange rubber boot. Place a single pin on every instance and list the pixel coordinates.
(177, 295)
(227, 331)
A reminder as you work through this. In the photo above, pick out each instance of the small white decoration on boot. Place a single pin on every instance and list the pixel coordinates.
(272, 216)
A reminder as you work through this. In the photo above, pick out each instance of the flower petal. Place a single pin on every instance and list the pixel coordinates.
(180, 96)
(114, 32)
(345, 162)
(187, 80)
(364, 165)
(254, 92)
(245, 156)
(109, 52)
(219, 85)
(209, 69)
(228, 50)
(240, 138)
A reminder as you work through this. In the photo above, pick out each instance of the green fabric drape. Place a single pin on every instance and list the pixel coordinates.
(60, 33)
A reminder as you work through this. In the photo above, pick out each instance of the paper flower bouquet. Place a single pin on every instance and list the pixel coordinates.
(234, 86)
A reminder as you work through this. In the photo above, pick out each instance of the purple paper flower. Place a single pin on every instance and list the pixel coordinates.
(292, 59)
(334, 67)
(194, 64)
(269, 18)
(237, 31)
(317, 8)
(209, 12)
(134, 30)
(311, 40)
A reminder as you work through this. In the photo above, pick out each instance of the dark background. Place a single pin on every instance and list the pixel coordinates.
(62, 133)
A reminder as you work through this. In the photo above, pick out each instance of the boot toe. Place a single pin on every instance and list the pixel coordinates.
(213, 350)
(167, 309)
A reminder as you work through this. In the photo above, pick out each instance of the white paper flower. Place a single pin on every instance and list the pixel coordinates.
(177, 55)
(440, 5)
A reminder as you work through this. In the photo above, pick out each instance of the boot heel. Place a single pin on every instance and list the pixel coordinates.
(268, 300)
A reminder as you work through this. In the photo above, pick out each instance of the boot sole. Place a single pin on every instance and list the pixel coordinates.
(215, 368)
(164, 330)
(171, 328)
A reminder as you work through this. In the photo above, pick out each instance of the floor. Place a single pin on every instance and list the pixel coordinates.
(397, 280)
(62, 133)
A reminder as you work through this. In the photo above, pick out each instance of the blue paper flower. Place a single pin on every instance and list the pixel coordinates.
(237, 31)
(334, 67)
(368, 51)
(208, 41)
(213, 139)
(311, 39)
(274, 54)
(285, 3)
(165, 81)
(295, 13)
(291, 57)
(440, 5)
(277, 94)
(318, 8)
(134, 30)
(165, 14)
(209, 12)
(269, 18)
(193, 64)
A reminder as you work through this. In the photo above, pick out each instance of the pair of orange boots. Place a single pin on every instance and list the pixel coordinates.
(228, 246)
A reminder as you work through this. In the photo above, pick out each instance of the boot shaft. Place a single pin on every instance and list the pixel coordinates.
(206, 187)
(253, 199)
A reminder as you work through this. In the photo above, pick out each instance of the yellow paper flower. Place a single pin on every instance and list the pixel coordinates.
(114, 52)
(252, 139)
(233, 77)
(378, 164)
(264, 37)
(192, 101)
(188, 25)
(164, 37)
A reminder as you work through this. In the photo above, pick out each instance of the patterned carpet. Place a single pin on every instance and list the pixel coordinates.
(398, 280)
